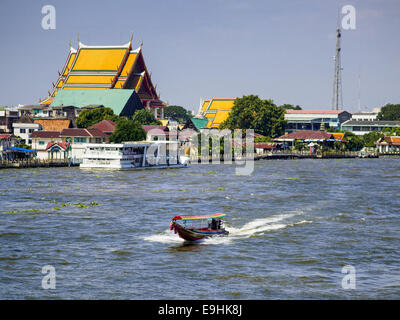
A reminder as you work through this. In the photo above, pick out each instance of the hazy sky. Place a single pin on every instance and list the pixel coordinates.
(282, 50)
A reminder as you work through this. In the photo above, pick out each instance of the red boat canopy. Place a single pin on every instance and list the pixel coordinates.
(209, 216)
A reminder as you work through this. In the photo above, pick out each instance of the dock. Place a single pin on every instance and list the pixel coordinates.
(35, 163)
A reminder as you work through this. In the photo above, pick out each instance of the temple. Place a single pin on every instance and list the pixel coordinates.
(107, 67)
(215, 111)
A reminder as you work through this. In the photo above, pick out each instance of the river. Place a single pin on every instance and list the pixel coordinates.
(294, 224)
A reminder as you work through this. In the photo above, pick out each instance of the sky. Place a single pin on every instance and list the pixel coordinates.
(280, 50)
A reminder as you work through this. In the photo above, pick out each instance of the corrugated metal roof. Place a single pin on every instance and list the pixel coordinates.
(115, 99)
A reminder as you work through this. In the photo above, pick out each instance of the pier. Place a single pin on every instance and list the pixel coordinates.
(35, 163)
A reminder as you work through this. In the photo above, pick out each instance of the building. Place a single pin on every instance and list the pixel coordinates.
(40, 141)
(124, 102)
(364, 116)
(266, 147)
(154, 133)
(107, 67)
(360, 127)
(196, 124)
(307, 136)
(78, 138)
(215, 111)
(58, 151)
(389, 144)
(105, 126)
(313, 119)
(7, 118)
(47, 112)
(53, 125)
(24, 130)
(7, 141)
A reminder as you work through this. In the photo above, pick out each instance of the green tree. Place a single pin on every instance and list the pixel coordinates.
(127, 130)
(390, 112)
(145, 117)
(90, 117)
(177, 113)
(370, 138)
(290, 106)
(354, 142)
(251, 112)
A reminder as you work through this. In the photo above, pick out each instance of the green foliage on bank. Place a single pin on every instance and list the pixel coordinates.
(127, 130)
(390, 112)
(89, 117)
(177, 113)
(145, 117)
(251, 112)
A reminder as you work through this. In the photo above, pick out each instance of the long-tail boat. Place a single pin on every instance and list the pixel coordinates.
(192, 228)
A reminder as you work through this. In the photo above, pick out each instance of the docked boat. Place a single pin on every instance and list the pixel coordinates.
(192, 228)
(123, 156)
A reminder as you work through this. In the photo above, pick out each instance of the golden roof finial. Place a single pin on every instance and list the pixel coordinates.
(77, 36)
(131, 38)
(70, 45)
(141, 44)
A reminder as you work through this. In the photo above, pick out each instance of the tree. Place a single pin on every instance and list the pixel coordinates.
(250, 112)
(370, 138)
(90, 117)
(127, 130)
(290, 106)
(390, 112)
(354, 142)
(145, 117)
(177, 113)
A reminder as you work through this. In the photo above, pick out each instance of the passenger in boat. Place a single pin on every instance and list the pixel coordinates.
(213, 224)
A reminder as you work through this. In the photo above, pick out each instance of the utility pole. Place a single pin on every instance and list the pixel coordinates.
(337, 98)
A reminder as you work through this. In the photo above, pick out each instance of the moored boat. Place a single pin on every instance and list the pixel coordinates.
(191, 228)
(139, 155)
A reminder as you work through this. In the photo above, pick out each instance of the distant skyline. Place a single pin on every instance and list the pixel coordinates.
(279, 50)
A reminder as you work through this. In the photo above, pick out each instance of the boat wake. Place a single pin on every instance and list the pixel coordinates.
(255, 227)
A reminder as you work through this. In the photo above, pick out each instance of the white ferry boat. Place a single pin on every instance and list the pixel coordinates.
(131, 155)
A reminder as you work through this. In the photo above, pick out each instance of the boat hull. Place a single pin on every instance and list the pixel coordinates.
(193, 234)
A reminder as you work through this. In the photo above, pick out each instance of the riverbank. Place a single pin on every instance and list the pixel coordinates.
(35, 163)
(284, 155)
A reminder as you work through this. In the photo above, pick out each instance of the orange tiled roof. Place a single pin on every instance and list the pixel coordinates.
(53, 125)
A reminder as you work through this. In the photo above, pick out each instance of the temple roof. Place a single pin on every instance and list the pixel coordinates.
(216, 111)
(105, 67)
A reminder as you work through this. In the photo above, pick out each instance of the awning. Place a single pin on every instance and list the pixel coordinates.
(210, 216)
(22, 149)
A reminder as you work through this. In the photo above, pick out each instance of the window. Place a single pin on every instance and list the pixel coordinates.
(31, 130)
(41, 143)
(22, 130)
(79, 140)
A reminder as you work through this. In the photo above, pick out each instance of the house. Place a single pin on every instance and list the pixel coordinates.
(315, 119)
(389, 144)
(307, 136)
(361, 127)
(264, 147)
(7, 118)
(6, 142)
(41, 140)
(24, 127)
(105, 126)
(78, 138)
(54, 124)
(154, 133)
